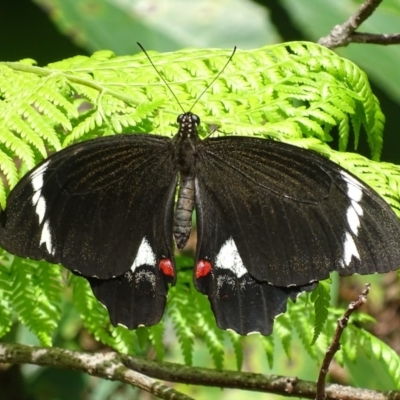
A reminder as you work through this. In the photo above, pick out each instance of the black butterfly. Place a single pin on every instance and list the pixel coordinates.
(272, 220)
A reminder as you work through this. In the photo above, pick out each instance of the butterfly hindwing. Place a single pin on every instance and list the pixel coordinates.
(243, 304)
(104, 210)
(134, 298)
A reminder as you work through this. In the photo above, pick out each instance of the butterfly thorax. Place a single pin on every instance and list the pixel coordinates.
(186, 140)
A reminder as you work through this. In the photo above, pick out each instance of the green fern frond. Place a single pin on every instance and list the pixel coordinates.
(237, 343)
(354, 341)
(344, 133)
(300, 315)
(90, 124)
(351, 344)
(357, 341)
(181, 312)
(6, 319)
(214, 339)
(49, 289)
(9, 169)
(96, 319)
(142, 334)
(156, 336)
(354, 337)
(94, 316)
(268, 344)
(15, 145)
(124, 340)
(36, 296)
(205, 327)
(6, 308)
(321, 298)
(382, 351)
(283, 329)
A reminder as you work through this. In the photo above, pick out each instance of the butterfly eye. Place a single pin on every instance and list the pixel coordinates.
(180, 118)
(196, 119)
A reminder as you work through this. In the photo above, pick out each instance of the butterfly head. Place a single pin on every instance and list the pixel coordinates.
(188, 124)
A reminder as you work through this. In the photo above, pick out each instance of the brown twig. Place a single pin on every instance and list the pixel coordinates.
(342, 35)
(373, 38)
(335, 344)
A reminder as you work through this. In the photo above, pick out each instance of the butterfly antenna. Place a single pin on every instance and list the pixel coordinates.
(216, 77)
(166, 83)
(159, 74)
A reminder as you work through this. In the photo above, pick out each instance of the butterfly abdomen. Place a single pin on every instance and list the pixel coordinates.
(183, 212)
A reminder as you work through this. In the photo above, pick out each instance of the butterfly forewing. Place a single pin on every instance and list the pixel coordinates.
(90, 206)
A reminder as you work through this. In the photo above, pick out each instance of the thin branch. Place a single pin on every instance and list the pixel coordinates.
(137, 371)
(342, 35)
(374, 38)
(363, 13)
(335, 344)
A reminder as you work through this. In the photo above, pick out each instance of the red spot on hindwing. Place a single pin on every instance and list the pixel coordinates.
(203, 268)
(166, 267)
